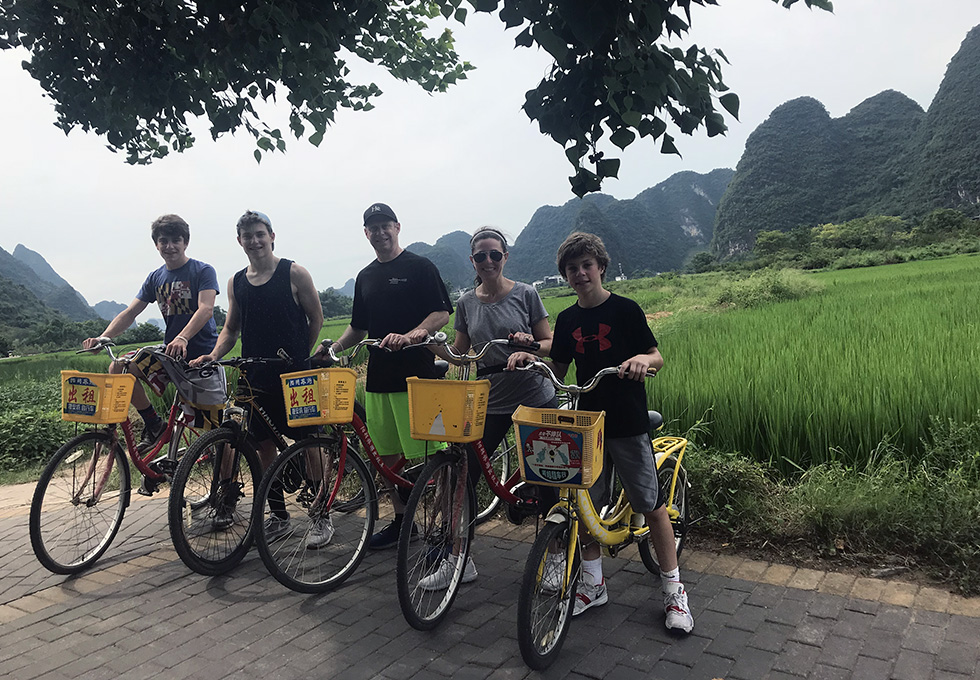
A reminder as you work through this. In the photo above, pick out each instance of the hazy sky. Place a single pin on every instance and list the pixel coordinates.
(458, 160)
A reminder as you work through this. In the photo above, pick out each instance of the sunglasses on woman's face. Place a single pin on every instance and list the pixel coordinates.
(495, 255)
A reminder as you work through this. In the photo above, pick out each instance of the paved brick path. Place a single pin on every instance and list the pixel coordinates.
(139, 613)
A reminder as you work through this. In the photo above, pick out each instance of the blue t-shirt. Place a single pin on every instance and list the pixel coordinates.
(176, 292)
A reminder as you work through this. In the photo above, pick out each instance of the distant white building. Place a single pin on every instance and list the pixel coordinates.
(550, 282)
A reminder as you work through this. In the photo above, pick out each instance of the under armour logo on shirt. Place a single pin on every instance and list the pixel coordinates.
(580, 339)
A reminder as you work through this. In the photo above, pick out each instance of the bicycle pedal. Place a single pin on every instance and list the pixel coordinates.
(147, 487)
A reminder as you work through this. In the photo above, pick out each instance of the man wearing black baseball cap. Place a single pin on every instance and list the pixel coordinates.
(400, 298)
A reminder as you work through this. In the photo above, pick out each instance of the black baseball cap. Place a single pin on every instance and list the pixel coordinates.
(379, 209)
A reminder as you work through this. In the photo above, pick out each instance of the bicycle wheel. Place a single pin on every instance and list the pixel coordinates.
(431, 561)
(679, 524)
(329, 521)
(211, 499)
(547, 595)
(79, 503)
(504, 463)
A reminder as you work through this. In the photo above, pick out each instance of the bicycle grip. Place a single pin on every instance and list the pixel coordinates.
(534, 346)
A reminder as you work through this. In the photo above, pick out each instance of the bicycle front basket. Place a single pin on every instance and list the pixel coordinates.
(100, 398)
(560, 447)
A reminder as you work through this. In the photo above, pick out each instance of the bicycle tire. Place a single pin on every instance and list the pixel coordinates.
(544, 613)
(679, 525)
(504, 463)
(196, 495)
(69, 530)
(291, 558)
(443, 519)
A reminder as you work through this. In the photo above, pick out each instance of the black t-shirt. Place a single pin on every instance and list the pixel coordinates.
(395, 297)
(603, 336)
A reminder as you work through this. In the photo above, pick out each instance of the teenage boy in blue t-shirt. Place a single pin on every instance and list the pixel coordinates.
(601, 330)
(186, 290)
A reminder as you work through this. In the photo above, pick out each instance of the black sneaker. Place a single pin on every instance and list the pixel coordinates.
(388, 537)
(224, 515)
(150, 436)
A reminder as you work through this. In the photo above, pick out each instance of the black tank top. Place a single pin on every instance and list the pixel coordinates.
(271, 319)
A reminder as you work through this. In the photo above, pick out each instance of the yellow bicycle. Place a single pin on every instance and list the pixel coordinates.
(547, 595)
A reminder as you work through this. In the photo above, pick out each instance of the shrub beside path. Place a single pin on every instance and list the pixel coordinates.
(140, 612)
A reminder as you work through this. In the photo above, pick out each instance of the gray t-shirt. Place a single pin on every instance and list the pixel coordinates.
(485, 321)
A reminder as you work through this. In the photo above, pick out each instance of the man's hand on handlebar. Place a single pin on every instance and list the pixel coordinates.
(194, 363)
(396, 341)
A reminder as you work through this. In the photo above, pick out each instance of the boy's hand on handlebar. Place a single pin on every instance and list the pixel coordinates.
(635, 368)
(396, 341)
(200, 360)
(177, 348)
(89, 343)
(519, 360)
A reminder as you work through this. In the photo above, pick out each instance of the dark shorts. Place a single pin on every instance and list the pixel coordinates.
(637, 472)
(273, 406)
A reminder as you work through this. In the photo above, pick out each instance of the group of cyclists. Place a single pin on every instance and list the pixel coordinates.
(401, 299)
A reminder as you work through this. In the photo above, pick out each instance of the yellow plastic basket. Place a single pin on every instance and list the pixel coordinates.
(560, 447)
(100, 398)
(323, 396)
(447, 410)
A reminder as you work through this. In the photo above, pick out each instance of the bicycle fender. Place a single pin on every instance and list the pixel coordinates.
(558, 516)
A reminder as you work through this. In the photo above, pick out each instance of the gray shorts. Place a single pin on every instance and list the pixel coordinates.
(636, 469)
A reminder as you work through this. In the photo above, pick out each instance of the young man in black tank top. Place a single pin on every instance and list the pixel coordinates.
(273, 305)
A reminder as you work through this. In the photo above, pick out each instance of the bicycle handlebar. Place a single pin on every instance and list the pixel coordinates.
(344, 360)
(473, 358)
(545, 370)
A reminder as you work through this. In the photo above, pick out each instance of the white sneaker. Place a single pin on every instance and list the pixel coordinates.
(440, 578)
(320, 533)
(589, 594)
(275, 528)
(675, 606)
(553, 575)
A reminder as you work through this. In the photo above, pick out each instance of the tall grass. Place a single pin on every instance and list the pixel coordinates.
(827, 377)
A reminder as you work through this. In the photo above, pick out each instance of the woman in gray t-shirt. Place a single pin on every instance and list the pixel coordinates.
(499, 308)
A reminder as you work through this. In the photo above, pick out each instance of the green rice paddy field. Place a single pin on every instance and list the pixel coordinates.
(868, 355)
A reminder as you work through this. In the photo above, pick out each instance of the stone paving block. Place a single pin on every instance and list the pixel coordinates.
(778, 575)
(961, 629)
(729, 643)
(727, 601)
(862, 606)
(899, 593)
(854, 624)
(726, 565)
(771, 636)
(911, 665)
(958, 657)
(695, 561)
(868, 667)
(922, 638)
(932, 599)
(882, 644)
(796, 658)
(749, 618)
(766, 595)
(823, 672)
(790, 612)
(711, 666)
(893, 618)
(805, 579)
(836, 584)
(812, 631)
(665, 670)
(867, 588)
(839, 651)
(753, 664)
(964, 606)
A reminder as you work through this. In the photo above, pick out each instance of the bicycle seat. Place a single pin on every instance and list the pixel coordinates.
(656, 420)
(442, 366)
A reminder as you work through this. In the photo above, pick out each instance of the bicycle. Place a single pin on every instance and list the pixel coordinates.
(326, 483)
(442, 505)
(550, 579)
(84, 490)
(212, 494)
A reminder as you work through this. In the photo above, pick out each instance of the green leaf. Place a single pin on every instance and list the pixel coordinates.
(622, 137)
(667, 146)
(524, 39)
(316, 138)
(730, 102)
(461, 15)
(608, 167)
(632, 118)
(258, 156)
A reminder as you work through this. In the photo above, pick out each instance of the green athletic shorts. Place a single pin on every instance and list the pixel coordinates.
(389, 426)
